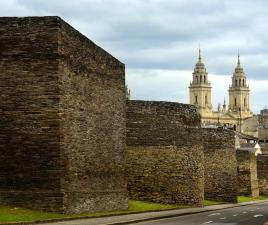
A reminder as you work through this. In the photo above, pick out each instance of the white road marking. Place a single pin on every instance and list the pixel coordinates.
(208, 222)
(258, 215)
(244, 212)
(214, 214)
(258, 208)
(252, 210)
(235, 214)
(223, 218)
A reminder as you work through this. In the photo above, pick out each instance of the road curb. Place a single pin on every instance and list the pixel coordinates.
(184, 214)
(201, 210)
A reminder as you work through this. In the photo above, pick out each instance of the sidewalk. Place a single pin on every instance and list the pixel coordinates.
(140, 217)
(136, 217)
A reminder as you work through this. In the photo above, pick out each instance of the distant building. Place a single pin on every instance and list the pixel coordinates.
(263, 126)
(251, 147)
(257, 126)
(250, 126)
(239, 107)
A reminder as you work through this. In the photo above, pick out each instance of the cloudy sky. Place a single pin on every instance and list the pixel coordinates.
(158, 40)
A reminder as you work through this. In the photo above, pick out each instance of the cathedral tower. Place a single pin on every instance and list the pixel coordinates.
(239, 92)
(200, 88)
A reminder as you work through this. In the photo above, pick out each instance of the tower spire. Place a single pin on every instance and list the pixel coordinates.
(199, 53)
(200, 88)
(238, 58)
(239, 90)
(224, 105)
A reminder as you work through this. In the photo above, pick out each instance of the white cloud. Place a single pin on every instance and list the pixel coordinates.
(172, 85)
(158, 39)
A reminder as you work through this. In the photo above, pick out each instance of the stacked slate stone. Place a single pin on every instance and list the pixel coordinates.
(62, 119)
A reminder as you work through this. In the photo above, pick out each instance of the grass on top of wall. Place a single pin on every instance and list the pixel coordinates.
(17, 214)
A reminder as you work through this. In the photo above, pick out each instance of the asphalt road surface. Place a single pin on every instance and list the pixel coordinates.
(255, 214)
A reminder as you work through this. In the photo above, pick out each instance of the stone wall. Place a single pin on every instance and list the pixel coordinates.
(166, 174)
(262, 170)
(29, 119)
(220, 164)
(158, 167)
(247, 173)
(62, 119)
(220, 161)
(155, 125)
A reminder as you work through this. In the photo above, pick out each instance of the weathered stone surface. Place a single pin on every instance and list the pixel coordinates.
(166, 174)
(262, 170)
(62, 119)
(247, 173)
(220, 162)
(160, 124)
(158, 167)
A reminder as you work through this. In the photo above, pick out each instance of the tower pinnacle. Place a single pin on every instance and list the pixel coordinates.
(200, 88)
(199, 54)
(239, 90)
(238, 58)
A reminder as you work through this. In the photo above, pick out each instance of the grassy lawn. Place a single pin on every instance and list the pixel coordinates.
(15, 214)
(212, 202)
(12, 214)
(241, 199)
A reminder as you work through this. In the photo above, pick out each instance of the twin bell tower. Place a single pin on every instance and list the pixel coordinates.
(239, 104)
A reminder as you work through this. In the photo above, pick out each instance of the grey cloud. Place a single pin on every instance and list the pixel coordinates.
(160, 34)
(158, 39)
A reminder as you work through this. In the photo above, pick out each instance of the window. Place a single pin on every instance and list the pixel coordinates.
(196, 79)
(240, 83)
(196, 99)
(206, 99)
(200, 79)
(205, 79)
(236, 83)
(245, 102)
(235, 101)
(243, 83)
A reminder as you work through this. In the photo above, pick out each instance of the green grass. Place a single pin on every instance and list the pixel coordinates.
(15, 214)
(241, 199)
(212, 202)
(142, 206)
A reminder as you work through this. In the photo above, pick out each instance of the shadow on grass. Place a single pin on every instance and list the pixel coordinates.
(15, 214)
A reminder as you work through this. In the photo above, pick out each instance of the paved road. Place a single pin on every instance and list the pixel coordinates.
(255, 214)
